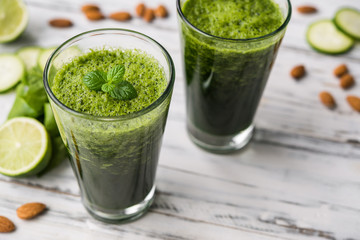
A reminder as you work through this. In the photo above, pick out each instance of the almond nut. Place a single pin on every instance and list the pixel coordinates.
(161, 11)
(306, 9)
(140, 9)
(89, 7)
(347, 81)
(60, 23)
(6, 225)
(327, 99)
(149, 15)
(354, 102)
(30, 210)
(298, 72)
(340, 70)
(120, 16)
(94, 15)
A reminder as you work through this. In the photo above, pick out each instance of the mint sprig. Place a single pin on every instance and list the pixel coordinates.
(111, 82)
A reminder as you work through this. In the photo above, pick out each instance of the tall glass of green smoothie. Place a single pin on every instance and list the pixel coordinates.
(229, 48)
(110, 91)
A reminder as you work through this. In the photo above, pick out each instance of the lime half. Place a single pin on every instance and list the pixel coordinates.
(25, 147)
(13, 19)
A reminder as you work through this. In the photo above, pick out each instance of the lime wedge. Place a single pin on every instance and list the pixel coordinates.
(13, 19)
(25, 147)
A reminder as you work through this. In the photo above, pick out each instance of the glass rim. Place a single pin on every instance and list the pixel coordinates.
(100, 31)
(279, 29)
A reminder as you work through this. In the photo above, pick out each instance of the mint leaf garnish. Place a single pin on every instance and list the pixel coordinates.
(107, 87)
(94, 80)
(112, 83)
(124, 91)
(116, 74)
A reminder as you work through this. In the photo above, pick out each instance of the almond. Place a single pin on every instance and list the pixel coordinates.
(306, 9)
(340, 70)
(347, 81)
(120, 16)
(140, 9)
(149, 15)
(327, 99)
(30, 210)
(89, 7)
(298, 72)
(161, 11)
(6, 225)
(60, 23)
(354, 102)
(94, 15)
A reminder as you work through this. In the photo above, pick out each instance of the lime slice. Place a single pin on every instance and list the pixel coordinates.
(13, 19)
(25, 147)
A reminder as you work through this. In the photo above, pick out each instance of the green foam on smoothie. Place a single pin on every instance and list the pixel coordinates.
(142, 70)
(240, 19)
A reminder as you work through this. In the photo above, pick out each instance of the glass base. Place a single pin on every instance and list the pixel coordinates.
(124, 215)
(220, 144)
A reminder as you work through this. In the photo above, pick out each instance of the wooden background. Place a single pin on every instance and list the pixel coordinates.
(298, 179)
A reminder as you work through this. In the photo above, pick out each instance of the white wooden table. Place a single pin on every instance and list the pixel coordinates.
(298, 179)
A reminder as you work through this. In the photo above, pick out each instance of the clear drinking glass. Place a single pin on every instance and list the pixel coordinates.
(225, 79)
(114, 158)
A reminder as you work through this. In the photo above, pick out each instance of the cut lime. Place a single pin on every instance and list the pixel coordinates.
(13, 19)
(25, 147)
(29, 55)
(12, 70)
(348, 21)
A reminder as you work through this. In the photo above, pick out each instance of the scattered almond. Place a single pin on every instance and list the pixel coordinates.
(298, 72)
(149, 15)
(354, 102)
(327, 99)
(120, 16)
(6, 225)
(60, 23)
(94, 15)
(347, 81)
(161, 11)
(89, 7)
(306, 9)
(30, 210)
(140, 9)
(340, 70)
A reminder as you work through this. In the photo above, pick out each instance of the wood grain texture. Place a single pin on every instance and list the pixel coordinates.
(298, 179)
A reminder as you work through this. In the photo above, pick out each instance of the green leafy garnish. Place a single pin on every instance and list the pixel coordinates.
(94, 80)
(124, 91)
(111, 83)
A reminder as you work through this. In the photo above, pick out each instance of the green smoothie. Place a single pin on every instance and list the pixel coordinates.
(141, 70)
(114, 160)
(227, 67)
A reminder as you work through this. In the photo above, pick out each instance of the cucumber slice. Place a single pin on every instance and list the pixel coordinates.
(66, 56)
(348, 21)
(324, 37)
(43, 57)
(12, 70)
(29, 55)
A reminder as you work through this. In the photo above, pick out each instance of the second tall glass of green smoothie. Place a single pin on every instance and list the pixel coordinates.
(114, 141)
(229, 48)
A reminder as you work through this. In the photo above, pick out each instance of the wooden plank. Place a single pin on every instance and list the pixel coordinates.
(67, 219)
